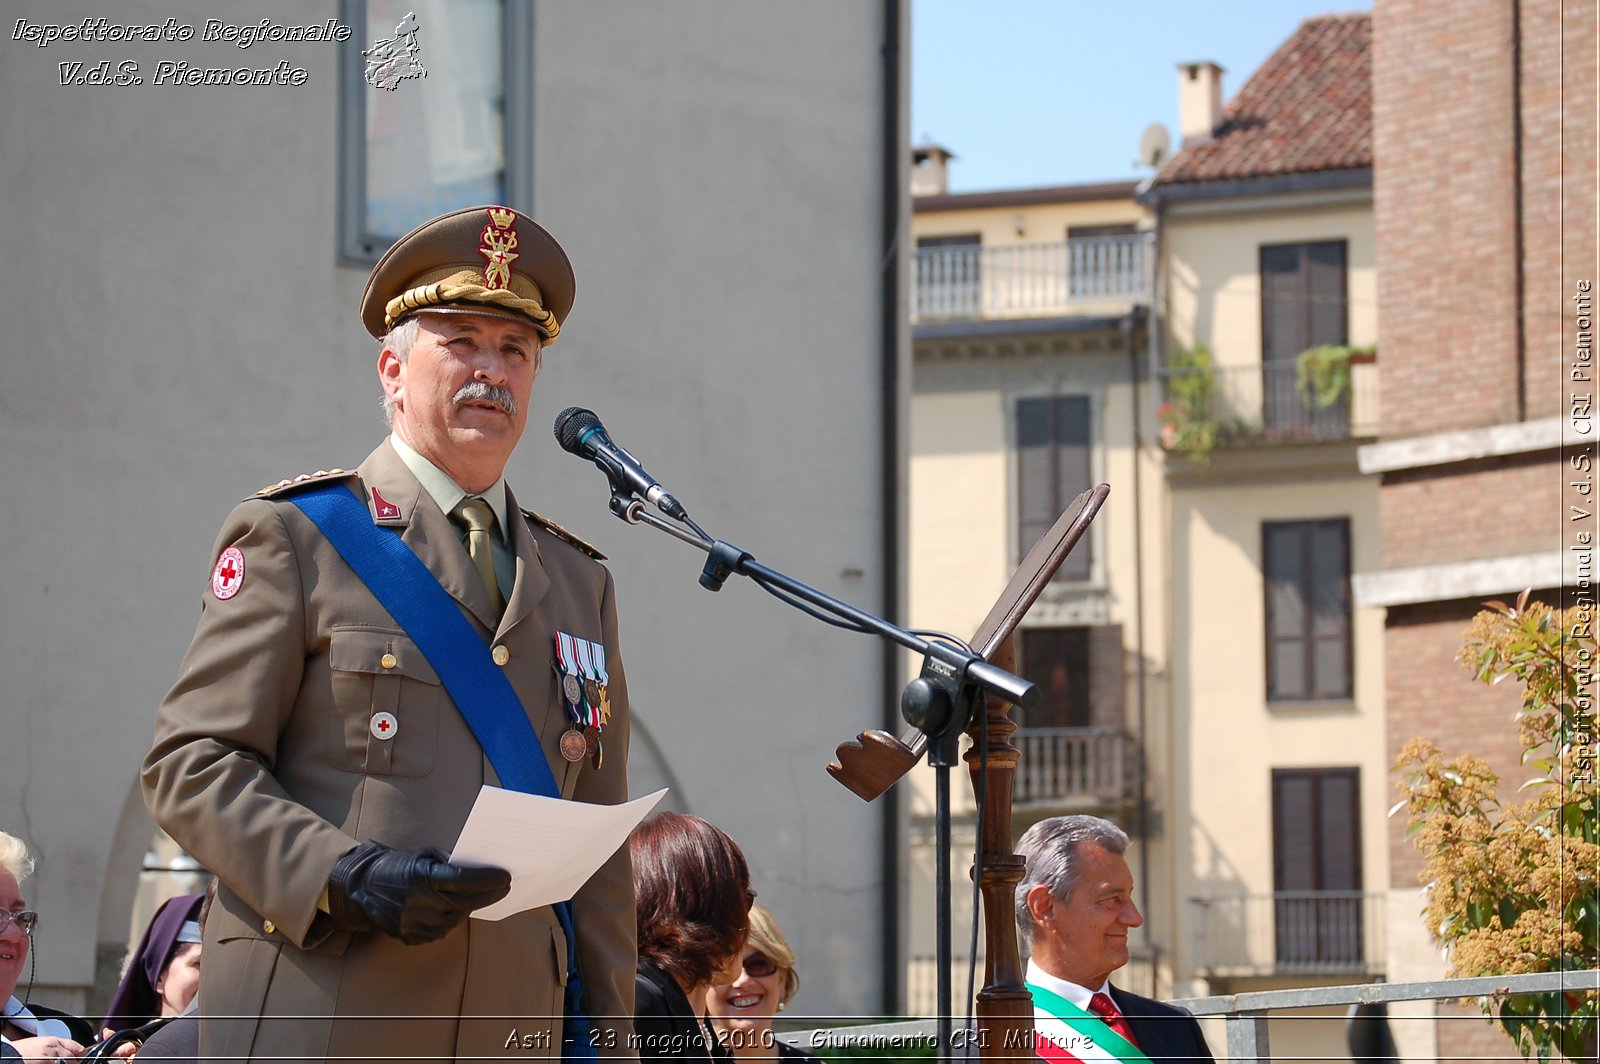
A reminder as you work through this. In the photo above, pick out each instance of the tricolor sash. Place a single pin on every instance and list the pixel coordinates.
(1067, 1033)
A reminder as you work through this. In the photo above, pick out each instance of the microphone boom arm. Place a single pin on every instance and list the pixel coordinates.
(724, 560)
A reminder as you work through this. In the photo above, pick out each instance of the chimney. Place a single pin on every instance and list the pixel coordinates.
(930, 171)
(1199, 101)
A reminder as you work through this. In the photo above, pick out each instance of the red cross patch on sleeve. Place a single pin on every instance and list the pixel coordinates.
(228, 576)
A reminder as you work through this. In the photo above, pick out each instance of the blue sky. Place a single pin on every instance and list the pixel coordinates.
(1056, 92)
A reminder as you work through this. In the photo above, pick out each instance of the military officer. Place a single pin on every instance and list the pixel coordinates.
(308, 753)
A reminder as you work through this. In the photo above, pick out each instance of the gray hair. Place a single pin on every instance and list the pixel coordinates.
(15, 858)
(400, 339)
(1050, 849)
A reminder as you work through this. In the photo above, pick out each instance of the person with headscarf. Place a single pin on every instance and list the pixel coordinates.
(164, 972)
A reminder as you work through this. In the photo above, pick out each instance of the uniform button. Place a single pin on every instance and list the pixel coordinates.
(501, 655)
(388, 661)
(268, 927)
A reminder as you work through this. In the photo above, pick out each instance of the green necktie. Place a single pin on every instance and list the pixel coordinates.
(475, 513)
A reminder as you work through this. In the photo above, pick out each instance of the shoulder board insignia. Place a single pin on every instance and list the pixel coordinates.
(561, 533)
(304, 478)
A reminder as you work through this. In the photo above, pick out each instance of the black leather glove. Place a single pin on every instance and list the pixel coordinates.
(416, 897)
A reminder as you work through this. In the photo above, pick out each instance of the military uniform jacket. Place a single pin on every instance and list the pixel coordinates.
(267, 767)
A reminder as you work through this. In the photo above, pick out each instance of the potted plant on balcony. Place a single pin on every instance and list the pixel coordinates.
(1188, 424)
(1323, 373)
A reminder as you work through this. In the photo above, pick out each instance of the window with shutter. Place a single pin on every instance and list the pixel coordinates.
(1052, 469)
(1306, 572)
(1057, 661)
(1303, 305)
(1316, 868)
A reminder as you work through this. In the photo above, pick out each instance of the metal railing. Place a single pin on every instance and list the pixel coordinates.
(1290, 932)
(1089, 275)
(1245, 1014)
(1074, 765)
(1264, 403)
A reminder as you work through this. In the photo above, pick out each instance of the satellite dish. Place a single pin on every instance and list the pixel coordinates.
(1154, 144)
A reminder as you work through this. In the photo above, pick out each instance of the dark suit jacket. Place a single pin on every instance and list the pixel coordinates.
(267, 767)
(1164, 1032)
(176, 1043)
(666, 1025)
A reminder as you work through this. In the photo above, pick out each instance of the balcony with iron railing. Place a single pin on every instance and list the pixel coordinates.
(1068, 770)
(1267, 403)
(1088, 276)
(1290, 932)
(1075, 767)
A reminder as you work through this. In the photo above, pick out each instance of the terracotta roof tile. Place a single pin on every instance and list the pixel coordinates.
(1308, 108)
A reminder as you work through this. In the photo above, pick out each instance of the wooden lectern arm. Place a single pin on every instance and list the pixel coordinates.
(875, 760)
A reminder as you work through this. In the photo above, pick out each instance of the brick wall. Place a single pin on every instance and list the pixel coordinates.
(1443, 133)
(1466, 1036)
(1438, 514)
(1483, 140)
(1558, 168)
(1452, 150)
(1428, 694)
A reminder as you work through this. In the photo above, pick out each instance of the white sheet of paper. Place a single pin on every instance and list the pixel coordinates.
(549, 845)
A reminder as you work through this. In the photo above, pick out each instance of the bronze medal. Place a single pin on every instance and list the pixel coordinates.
(591, 690)
(591, 740)
(572, 688)
(572, 745)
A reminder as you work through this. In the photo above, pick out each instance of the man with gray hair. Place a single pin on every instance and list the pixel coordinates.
(1074, 911)
(375, 646)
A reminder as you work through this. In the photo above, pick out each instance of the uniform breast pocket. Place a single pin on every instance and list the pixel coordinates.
(387, 701)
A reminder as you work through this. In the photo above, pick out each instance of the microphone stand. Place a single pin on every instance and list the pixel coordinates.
(939, 702)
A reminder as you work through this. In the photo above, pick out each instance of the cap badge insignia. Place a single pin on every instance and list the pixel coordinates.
(228, 577)
(499, 238)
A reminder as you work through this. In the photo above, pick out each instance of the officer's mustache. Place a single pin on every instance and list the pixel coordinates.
(480, 392)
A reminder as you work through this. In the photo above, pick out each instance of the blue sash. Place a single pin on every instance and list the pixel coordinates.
(479, 688)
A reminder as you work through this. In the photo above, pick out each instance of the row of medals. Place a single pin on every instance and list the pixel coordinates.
(576, 743)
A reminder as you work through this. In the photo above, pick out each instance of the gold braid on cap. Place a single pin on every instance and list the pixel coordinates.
(452, 290)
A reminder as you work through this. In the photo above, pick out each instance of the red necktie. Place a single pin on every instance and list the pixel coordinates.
(1102, 1006)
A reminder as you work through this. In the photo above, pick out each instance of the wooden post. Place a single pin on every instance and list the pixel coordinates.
(1004, 1007)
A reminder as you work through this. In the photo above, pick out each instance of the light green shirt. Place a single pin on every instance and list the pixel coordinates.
(448, 495)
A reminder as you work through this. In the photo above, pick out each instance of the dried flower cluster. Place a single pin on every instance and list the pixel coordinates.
(1515, 887)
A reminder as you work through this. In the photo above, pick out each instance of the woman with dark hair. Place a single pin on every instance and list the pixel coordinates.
(692, 895)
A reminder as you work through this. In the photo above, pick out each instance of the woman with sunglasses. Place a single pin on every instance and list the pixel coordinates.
(27, 1032)
(742, 1010)
(692, 894)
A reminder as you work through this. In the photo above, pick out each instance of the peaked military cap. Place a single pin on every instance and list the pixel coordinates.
(479, 260)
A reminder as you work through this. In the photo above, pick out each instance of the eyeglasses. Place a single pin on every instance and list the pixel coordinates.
(759, 966)
(25, 920)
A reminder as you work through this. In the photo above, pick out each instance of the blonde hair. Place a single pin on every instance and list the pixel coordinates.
(14, 857)
(768, 938)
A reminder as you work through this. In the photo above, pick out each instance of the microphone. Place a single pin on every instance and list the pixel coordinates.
(579, 431)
